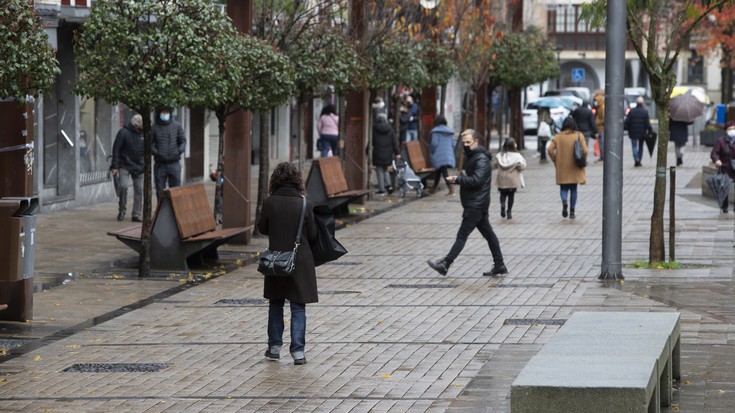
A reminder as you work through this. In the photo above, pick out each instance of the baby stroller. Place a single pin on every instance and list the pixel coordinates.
(407, 179)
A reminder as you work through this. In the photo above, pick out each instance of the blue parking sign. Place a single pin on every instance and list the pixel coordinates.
(578, 74)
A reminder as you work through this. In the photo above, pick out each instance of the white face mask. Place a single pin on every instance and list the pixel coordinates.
(731, 133)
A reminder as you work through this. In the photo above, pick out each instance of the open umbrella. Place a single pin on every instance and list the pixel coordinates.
(719, 184)
(685, 108)
(650, 140)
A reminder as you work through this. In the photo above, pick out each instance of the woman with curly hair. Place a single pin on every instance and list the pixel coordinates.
(279, 219)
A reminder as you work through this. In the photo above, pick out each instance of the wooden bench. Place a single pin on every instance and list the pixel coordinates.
(414, 153)
(326, 185)
(183, 230)
(603, 362)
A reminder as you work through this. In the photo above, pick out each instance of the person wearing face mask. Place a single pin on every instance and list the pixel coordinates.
(169, 142)
(474, 193)
(128, 163)
(723, 155)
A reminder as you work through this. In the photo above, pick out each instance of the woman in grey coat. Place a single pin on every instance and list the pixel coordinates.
(279, 220)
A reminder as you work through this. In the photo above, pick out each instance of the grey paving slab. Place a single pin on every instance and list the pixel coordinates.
(389, 334)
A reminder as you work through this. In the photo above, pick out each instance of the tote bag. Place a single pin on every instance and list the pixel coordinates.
(325, 248)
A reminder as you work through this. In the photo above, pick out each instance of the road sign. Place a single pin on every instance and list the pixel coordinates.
(578, 74)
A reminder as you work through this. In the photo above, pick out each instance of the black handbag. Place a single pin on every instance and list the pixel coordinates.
(325, 248)
(579, 157)
(282, 263)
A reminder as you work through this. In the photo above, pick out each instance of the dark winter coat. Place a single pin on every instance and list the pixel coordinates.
(585, 121)
(128, 151)
(724, 151)
(279, 220)
(169, 141)
(413, 110)
(679, 132)
(403, 119)
(638, 123)
(441, 150)
(385, 144)
(475, 183)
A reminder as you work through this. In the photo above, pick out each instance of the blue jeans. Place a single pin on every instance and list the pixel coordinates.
(476, 218)
(166, 172)
(571, 190)
(412, 135)
(298, 328)
(637, 149)
(329, 142)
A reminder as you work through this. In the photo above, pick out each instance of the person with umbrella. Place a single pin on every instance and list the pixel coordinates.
(683, 110)
(723, 156)
(638, 125)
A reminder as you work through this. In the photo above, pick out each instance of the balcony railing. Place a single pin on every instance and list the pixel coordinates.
(582, 41)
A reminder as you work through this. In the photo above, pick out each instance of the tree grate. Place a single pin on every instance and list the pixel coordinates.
(115, 367)
(533, 321)
(523, 285)
(420, 286)
(337, 292)
(241, 301)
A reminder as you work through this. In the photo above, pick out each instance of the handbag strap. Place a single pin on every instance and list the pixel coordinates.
(301, 224)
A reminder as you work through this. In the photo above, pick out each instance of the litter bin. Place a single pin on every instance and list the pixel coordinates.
(17, 253)
(721, 114)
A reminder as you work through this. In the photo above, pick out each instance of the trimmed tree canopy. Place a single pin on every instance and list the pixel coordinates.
(522, 59)
(28, 61)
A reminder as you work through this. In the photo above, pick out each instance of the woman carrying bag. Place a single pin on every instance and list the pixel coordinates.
(279, 219)
(568, 173)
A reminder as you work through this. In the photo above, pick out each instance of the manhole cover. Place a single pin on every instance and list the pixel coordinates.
(115, 367)
(523, 285)
(241, 301)
(339, 292)
(420, 286)
(533, 321)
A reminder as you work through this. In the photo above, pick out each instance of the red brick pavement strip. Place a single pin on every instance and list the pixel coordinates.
(381, 340)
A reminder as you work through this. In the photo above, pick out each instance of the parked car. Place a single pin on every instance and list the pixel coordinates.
(558, 108)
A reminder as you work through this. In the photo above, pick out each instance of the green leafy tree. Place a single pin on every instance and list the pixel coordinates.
(658, 30)
(145, 54)
(440, 65)
(28, 61)
(244, 73)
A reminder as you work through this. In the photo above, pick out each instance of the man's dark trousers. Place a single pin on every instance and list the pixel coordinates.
(476, 218)
(166, 171)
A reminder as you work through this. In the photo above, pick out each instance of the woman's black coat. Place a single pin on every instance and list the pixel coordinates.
(385, 145)
(279, 219)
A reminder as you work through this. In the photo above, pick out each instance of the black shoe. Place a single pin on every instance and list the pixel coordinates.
(679, 161)
(390, 190)
(724, 210)
(638, 163)
(571, 213)
(299, 362)
(121, 216)
(272, 356)
(564, 210)
(497, 270)
(502, 211)
(510, 216)
(136, 219)
(439, 266)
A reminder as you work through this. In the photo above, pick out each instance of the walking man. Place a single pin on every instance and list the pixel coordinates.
(128, 163)
(169, 142)
(474, 193)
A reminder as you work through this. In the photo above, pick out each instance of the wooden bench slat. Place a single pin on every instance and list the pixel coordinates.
(219, 234)
(332, 175)
(192, 211)
(130, 232)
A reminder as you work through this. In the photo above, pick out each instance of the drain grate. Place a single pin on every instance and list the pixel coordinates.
(241, 301)
(343, 263)
(523, 285)
(420, 286)
(337, 292)
(534, 321)
(115, 367)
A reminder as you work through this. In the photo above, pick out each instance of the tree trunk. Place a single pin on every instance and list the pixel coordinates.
(516, 118)
(656, 245)
(726, 78)
(443, 101)
(264, 165)
(144, 260)
(221, 117)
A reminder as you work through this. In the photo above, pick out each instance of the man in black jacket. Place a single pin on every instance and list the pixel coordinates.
(475, 196)
(128, 163)
(169, 142)
(585, 122)
(638, 125)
